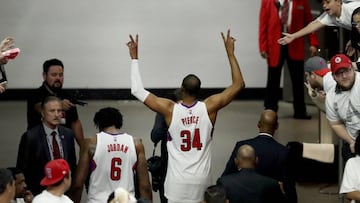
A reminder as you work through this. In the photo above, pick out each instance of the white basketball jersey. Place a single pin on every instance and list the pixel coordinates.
(114, 162)
(189, 139)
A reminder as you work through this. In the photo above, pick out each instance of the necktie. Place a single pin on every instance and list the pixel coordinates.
(285, 13)
(56, 149)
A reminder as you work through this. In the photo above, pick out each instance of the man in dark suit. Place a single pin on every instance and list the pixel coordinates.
(45, 142)
(272, 157)
(247, 185)
(277, 16)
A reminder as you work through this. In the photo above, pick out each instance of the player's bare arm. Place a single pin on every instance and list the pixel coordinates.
(142, 171)
(76, 126)
(87, 150)
(218, 101)
(158, 104)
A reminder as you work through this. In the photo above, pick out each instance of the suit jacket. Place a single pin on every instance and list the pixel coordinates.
(34, 153)
(247, 186)
(273, 162)
(270, 30)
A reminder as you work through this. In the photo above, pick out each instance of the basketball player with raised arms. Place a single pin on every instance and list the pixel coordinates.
(190, 123)
(113, 159)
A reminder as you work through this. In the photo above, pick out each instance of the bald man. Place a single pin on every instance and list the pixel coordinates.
(272, 156)
(247, 185)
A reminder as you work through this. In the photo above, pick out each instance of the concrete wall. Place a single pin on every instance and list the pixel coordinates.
(176, 38)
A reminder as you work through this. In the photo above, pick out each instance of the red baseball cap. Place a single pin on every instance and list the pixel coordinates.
(339, 61)
(55, 170)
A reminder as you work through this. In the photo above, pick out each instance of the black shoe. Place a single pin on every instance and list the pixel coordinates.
(303, 116)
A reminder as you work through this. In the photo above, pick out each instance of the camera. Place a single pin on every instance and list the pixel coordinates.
(155, 167)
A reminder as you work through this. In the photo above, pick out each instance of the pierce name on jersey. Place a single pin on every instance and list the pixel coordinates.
(189, 120)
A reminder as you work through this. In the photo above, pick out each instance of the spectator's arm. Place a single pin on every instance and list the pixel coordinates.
(340, 130)
(311, 27)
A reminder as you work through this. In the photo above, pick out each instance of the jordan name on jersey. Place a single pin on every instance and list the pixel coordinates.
(115, 147)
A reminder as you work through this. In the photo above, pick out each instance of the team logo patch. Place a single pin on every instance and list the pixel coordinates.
(48, 173)
(337, 59)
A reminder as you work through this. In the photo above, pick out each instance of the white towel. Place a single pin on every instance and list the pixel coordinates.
(319, 152)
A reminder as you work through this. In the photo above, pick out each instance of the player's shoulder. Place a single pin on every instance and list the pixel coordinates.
(137, 140)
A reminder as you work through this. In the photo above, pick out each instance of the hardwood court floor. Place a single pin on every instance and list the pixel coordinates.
(235, 122)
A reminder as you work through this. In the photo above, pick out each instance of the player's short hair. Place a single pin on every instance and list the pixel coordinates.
(108, 116)
(191, 84)
(51, 62)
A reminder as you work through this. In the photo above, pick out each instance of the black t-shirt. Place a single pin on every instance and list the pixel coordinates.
(37, 96)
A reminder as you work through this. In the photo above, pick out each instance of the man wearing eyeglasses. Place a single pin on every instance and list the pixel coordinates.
(343, 103)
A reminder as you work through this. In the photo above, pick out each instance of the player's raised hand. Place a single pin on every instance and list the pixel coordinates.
(133, 46)
(228, 42)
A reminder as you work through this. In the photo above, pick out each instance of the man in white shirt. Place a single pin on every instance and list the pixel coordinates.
(336, 13)
(57, 180)
(319, 80)
(343, 102)
(350, 185)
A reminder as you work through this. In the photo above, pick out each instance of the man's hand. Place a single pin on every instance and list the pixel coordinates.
(322, 94)
(229, 43)
(7, 43)
(311, 91)
(350, 51)
(66, 104)
(2, 88)
(312, 50)
(352, 147)
(28, 198)
(286, 39)
(264, 55)
(133, 46)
